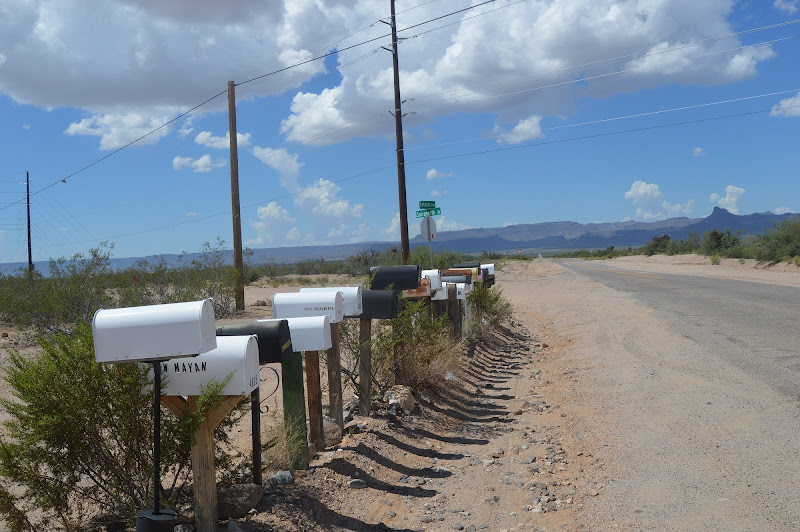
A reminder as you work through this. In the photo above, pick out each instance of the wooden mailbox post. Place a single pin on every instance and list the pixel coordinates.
(235, 363)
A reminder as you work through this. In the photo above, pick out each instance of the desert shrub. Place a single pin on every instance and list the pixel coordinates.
(782, 240)
(489, 306)
(722, 243)
(75, 288)
(715, 259)
(79, 437)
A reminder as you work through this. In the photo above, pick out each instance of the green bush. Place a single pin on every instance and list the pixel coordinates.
(79, 437)
(490, 307)
(779, 242)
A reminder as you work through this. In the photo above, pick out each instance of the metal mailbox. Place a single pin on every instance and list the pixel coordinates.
(311, 333)
(455, 278)
(441, 295)
(489, 267)
(462, 289)
(468, 265)
(154, 332)
(435, 277)
(467, 272)
(406, 277)
(379, 304)
(235, 356)
(274, 340)
(301, 305)
(351, 298)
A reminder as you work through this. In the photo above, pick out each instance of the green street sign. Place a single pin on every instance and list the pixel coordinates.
(436, 211)
(427, 205)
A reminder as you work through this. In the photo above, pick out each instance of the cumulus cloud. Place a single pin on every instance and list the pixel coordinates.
(443, 224)
(26, 127)
(119, 129)
(271, 224)
(652, 206)
(191, 213)
(433, 173)
(203, 164)
(437, 193)
(287, 165)
(393, 231)
(205, 138)
(732, 201)
(788, 6)
(527, 129)
(787, 107)
(321, 199)
(697, 152)
(783, 210)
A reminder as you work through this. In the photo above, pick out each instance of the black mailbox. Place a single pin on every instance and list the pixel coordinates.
(274, 341)
(467, 265)
(397, 277)
(379, 304)
(454, 278)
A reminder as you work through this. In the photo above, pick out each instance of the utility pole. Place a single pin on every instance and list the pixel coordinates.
(238, 263)
(401, 168)
(28, 194)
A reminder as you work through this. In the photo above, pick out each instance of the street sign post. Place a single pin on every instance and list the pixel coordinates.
(436, 211)
(427, 204)
(428, 229)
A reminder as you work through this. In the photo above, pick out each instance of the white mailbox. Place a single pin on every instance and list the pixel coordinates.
(352, 305)
(301, 305)
(435, 277)
(441, 295)
(489, 267)
(462, 289)
(312, 333)
(154, 332)
(235, 356)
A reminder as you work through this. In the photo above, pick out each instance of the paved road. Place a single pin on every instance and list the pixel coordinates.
(755, 326)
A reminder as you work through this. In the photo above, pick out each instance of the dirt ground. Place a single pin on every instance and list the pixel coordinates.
(562, 419)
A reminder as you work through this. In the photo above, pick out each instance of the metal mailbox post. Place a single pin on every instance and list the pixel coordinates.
(331, 304)
(377, 305)
(310, 335)
(152, 334)
(275, 345)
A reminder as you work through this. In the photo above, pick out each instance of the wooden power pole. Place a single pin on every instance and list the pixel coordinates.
(401, 168)
(28, 194)
(238, 263)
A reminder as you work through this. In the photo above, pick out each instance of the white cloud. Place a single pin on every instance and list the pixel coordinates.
(286, 164)
(697, 152)
(321, 199)
(783, 210)
(437, 193)
(443, 224)
(789, 6)
(732, 201)
(642, 192)
(433, 173)
(26, 127)
(507, 224)
(205, 138)
(529, 128)
(652, 206)
(203, 164)
(191, 213)
(787, 107)
(271, 225)
(293, 234)
(119, 129)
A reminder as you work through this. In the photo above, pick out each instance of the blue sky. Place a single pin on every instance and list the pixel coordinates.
(515, 112)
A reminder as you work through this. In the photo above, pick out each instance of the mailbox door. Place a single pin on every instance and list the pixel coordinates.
(312, 333)
(379, 304)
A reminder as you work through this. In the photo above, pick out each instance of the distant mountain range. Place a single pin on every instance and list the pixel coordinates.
(530, 238)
